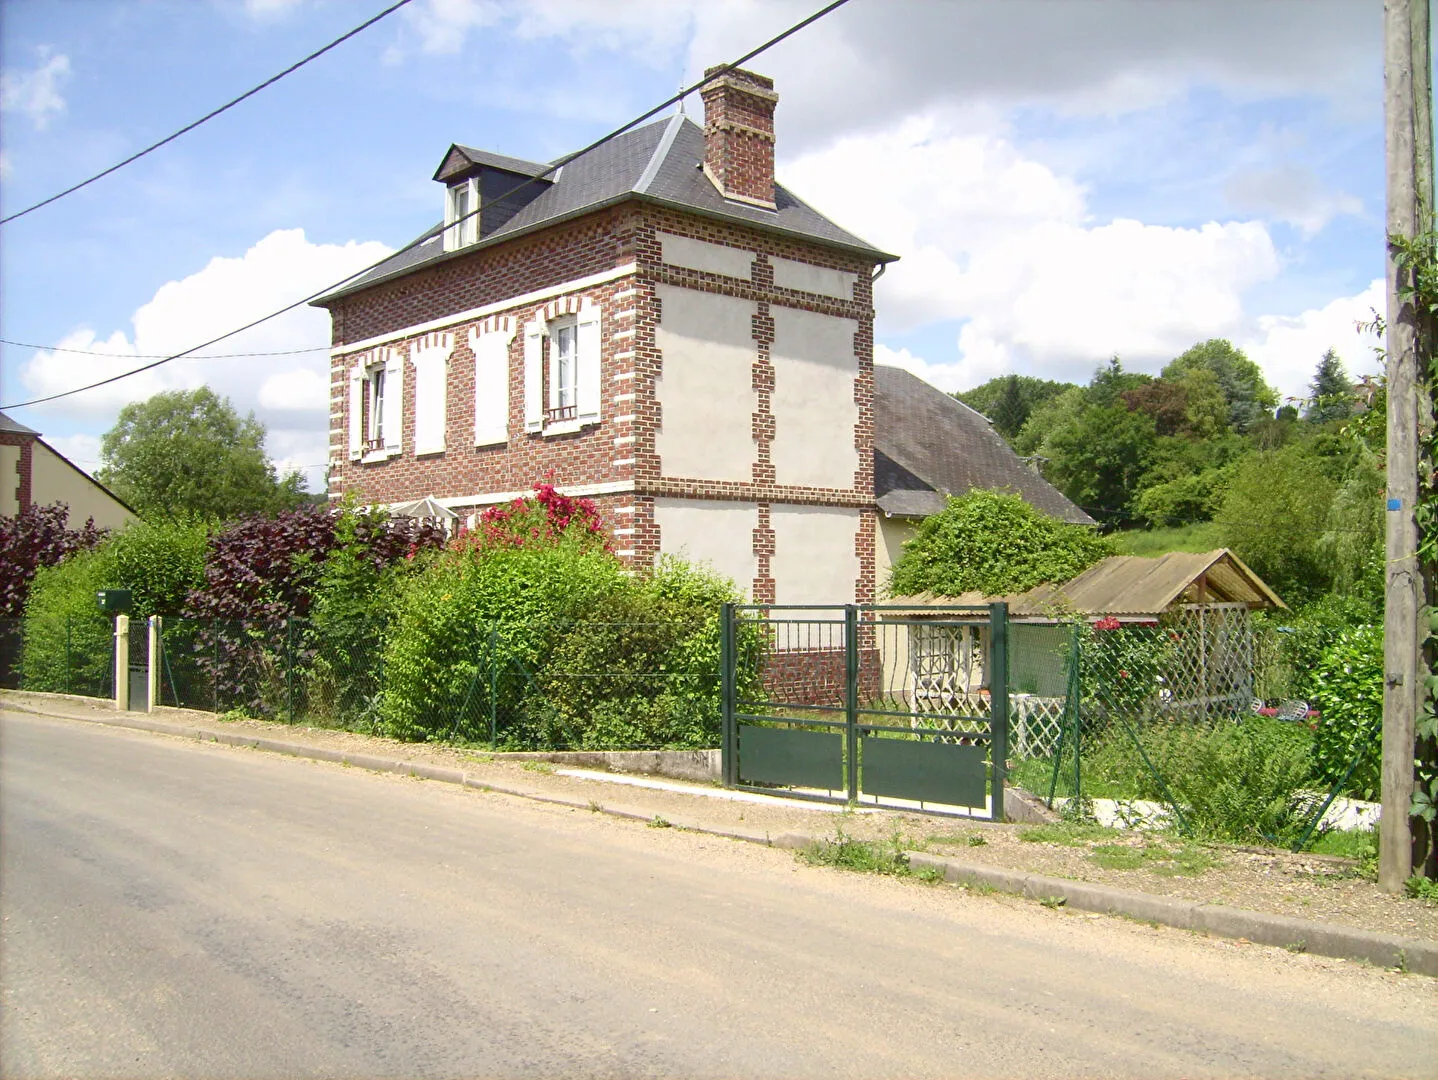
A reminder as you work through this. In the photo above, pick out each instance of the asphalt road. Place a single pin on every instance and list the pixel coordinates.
(182, 909)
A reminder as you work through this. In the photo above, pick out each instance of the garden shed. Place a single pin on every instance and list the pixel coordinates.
(1188, 612)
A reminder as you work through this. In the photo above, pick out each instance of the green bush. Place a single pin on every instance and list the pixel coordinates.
(468, 611)
(69, 643)
(160, 563)
(1348, 694)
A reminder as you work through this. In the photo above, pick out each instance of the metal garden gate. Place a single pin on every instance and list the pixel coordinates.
(867, 704)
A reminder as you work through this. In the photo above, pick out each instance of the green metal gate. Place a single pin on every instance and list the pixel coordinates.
(868, 704)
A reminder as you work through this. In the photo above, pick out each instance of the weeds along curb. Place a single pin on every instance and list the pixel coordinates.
(1298, 935)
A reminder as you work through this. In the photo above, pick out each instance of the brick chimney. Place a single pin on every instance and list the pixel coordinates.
(739, 135)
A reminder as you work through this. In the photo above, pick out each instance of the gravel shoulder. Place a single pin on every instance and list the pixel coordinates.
(1321, 888)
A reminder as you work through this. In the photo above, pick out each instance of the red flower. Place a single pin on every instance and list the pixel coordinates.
(1108, 622)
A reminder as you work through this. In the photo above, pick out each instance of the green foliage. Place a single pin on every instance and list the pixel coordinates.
(1248, 395)
(1032, 394)
(1098, 459)
(1330, 392)
(1352, 543)
(1348, 694)
(187, 452)
(160, 562)
(1185, 500)
(844, 852)
(467, 612)
(68, 641)
(1205, 536)
(1121, 672)
(1422, 888)
(993, 543)
(1011, 410)
(1274, 514)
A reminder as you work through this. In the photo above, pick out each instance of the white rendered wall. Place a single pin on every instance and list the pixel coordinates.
(711, 531)
(791, 274)
(702, 255)
(9, 481)
(813, 403)
(814, 561)
(892, 534)
(706, 389)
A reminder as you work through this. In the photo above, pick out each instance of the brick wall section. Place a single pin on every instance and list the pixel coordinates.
(818, 676)
(24, 468)
(631, 364)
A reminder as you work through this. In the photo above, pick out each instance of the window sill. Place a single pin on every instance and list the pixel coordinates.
(375, 456)
(567, 427)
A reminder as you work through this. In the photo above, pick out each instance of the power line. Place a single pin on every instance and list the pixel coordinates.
(557, 165)
(159, 356)
(209, 115)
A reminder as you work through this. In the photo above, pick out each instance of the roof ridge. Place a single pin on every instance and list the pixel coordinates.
(661, 151)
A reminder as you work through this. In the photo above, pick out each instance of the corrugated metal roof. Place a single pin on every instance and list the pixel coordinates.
(1129, 586)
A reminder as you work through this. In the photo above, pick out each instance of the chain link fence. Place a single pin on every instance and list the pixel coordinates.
(72, 655)
(1183, 723)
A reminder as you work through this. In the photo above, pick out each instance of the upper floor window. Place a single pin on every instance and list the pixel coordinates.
(563, 372)
(374, 409)
(462, 224)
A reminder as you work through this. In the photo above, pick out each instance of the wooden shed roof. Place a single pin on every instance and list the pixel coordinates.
(1128, 586)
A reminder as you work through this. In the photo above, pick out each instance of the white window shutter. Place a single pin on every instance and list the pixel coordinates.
(431, 379)
(357, 412)
(587, 389)
(393, 403)
(491, 382)
(534, 376)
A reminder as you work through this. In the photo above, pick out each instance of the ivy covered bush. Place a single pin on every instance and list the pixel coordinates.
(1347, 684)
(993, 543)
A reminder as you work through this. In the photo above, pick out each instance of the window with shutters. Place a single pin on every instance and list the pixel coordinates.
(377, 406)
(562, 365)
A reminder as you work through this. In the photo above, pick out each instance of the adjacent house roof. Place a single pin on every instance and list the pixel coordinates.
(1132, 587)
(7, 424)
(658, 163)
(929, 445)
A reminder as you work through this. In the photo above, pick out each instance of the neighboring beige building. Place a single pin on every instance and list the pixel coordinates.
(42, 476)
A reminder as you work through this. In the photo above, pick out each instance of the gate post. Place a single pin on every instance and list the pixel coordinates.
(851, 697)
(728, 663)
(999, 702)
(122, 662)
(152, 660)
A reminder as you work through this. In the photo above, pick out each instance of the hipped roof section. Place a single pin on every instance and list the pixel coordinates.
(658, 163)
(1126, 587)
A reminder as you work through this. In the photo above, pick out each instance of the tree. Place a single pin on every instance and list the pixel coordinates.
(1274, 516)
(1099, 459)
(1010, 411)
(1110, 381)
(1034, 393)
(1248, 395)
(993, 543)
(1331, 391)
(187, 452)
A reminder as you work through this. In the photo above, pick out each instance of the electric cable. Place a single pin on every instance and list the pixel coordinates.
(554, 167)
(158, 356)
(209, 115)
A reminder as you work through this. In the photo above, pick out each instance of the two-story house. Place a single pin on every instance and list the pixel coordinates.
(657, 325)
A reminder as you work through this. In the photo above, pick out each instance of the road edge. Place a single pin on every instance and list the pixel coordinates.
(1215, 920)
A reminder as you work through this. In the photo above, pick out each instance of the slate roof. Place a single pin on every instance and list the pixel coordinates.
(929, 445)
(657, 163)
(6, 424)
(1127, 586)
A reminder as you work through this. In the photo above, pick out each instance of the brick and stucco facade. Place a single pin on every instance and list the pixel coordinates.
(728, 409)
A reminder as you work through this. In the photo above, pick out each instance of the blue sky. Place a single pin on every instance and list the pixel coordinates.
(1064, 180)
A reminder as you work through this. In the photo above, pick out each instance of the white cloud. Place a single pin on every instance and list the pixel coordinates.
(1291, 194)
(288, 392)
(1288, 348)
(35, 94)
(268, 9)
(1006, 246)
(640, 27)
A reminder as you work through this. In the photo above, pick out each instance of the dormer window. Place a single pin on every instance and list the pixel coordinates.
(461, 202)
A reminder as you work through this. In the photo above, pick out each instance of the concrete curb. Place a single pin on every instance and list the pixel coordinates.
(1299, 935)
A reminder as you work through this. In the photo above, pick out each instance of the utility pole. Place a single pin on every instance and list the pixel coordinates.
(1408, 139)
